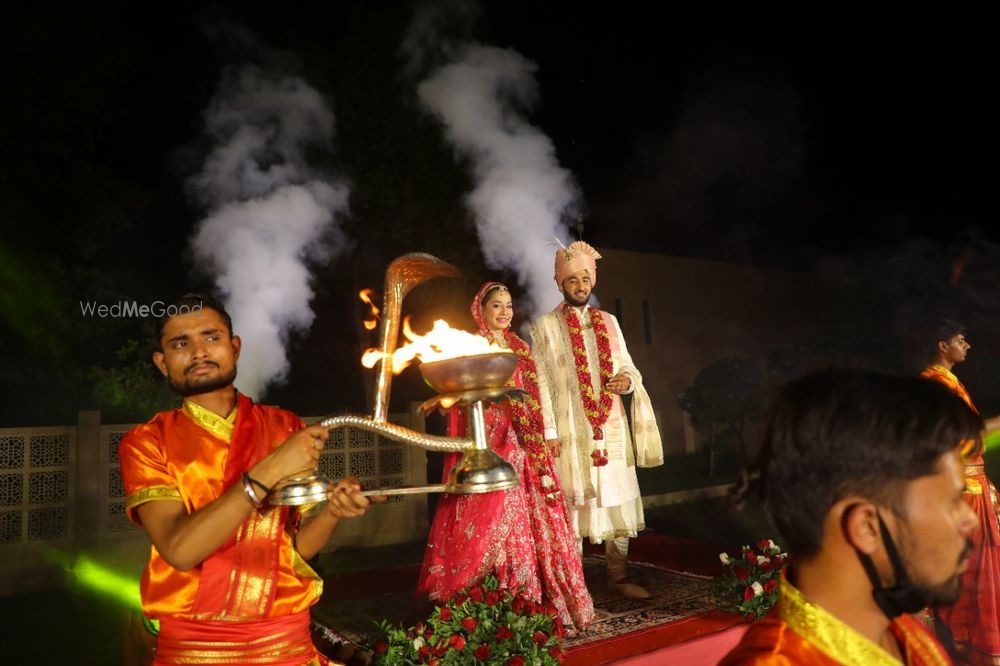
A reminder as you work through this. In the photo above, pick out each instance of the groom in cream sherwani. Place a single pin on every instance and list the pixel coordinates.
(584, 367)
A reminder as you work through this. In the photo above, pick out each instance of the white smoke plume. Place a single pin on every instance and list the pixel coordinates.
(270, 214)
(522, 197)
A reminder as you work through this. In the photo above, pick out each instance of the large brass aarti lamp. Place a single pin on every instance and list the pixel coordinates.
(464, 380)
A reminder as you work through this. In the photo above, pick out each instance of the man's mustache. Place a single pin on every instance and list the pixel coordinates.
(198, 365)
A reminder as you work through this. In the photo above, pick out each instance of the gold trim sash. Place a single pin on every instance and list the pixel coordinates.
(210, 421)
(828, 634)
(237, 581)
(149, 494)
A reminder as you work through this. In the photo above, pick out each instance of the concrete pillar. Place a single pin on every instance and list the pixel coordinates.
(88, 507)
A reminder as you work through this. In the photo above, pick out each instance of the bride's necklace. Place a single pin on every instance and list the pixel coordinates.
(498, 338)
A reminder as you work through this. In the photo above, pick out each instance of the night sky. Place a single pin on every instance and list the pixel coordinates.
(843, 143)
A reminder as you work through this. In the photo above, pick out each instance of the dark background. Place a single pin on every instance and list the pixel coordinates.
(857, 146)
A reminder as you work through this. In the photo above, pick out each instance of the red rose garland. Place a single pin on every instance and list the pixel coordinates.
(597, 411)
(526, 416)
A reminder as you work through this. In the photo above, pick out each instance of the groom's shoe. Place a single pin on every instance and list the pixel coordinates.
(618, 578)
(628, 589)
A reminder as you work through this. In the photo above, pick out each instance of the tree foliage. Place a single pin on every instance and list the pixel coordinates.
(723, 396)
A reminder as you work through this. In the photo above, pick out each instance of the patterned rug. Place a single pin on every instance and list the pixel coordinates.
(675, 596)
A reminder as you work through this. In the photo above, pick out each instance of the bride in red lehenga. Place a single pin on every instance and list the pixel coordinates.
(522, 535)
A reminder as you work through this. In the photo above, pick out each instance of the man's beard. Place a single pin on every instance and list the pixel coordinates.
(198, 385)
(948, 592)
(907, 595)
(574, 301)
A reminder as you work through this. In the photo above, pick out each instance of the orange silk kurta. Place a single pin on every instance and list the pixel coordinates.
(943, 375)
(799, 633)
(180, 455)
(939, 373)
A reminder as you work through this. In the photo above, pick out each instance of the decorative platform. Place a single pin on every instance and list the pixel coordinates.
(682, 609)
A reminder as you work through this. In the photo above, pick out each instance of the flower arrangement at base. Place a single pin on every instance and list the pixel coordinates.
(486, 626)
(749, 584)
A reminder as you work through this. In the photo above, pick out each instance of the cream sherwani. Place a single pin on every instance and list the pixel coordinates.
(604, 502)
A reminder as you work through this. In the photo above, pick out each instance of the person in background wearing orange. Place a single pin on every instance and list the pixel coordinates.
(973, 623)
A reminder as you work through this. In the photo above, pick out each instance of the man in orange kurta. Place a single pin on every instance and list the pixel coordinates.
(974, 621)
(227, 576)
(862, 475)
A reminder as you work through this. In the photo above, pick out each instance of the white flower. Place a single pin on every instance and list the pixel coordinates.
(758, 589)
(761, 560)
(724, 558)
(418, 642)
(772, 547)
(547, 481)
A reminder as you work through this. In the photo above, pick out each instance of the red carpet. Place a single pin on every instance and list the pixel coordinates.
(678, 625)
(700, 639)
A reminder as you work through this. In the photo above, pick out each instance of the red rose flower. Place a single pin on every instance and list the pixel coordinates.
(516, 660)
(445, 614)
(492, 598)
(750, 557)
(540, 638)
(748, 594)
(742, 573)
(424, 652)
(556, 653)
(428, 632)
(457, 641)
(482, 652)
(503, 633)
(460, 599)
(381, 647)
(433, 662)
(476, 594)
(469, 624)
(770, 585)
(765, 566)
(762, 544)
(518, 605)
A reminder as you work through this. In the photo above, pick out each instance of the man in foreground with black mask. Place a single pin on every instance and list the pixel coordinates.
(862, 475)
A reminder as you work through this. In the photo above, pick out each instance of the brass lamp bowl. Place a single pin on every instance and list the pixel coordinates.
(304, 488)
(480, 471)
(468, 373)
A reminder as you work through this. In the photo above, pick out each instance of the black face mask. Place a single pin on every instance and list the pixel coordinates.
(904, 596)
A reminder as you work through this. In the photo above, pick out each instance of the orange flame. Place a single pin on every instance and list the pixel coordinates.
(366, 296)
(371, 357)
(441, 342)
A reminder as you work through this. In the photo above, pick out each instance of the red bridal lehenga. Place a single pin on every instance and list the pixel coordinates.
(522, 535)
